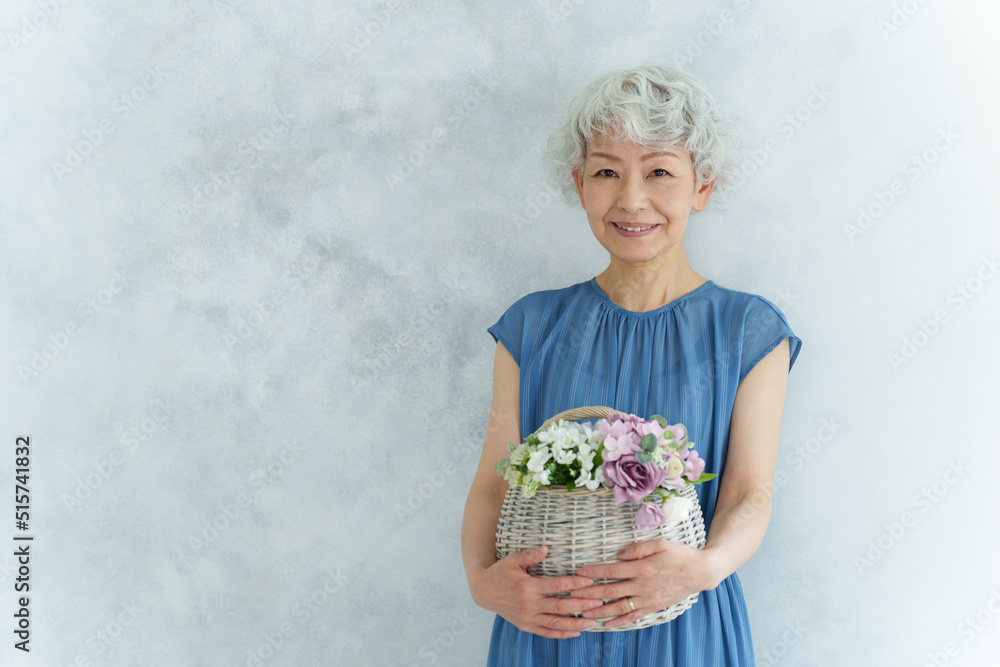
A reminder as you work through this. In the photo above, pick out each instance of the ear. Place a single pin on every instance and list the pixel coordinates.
(702, 191)
(578, 178)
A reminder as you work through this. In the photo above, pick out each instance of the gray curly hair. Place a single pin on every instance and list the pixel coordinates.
(650, 105)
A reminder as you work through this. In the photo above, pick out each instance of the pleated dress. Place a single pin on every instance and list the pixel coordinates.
(575, 347)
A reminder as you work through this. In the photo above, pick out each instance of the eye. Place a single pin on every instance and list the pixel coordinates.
(601, 173)
(663, 172)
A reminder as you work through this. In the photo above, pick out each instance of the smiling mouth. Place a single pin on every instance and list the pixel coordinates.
(633, 228)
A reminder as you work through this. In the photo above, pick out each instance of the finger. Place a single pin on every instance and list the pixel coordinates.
(543, 631)
(612, 591)
(553, 634)
(556, 635)
(642, 549)
(548, 585)
(625, 570)
(613, 609)
(556, 622)
(570, 605)
(625, 619)
(607, 570)
(529, 556)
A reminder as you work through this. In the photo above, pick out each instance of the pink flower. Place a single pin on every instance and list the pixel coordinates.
(695, 466)
(678, 432)
(677, 483)
(619, 437)
(651, 427)
(649, 516)
(614, 427)
(632, 480)
(630, 420)
(615, 448)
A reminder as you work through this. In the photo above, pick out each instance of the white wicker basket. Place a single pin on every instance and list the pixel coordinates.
(583, 527)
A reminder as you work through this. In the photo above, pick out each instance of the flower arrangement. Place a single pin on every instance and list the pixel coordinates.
(632, 456)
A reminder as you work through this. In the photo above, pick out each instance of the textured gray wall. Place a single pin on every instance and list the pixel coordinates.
(237, 342)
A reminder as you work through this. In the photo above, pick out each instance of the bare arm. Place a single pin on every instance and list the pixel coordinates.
(660, 573)
(482, 508)
(504, 586)
(744, 506)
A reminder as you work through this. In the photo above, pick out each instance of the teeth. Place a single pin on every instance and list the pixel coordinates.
(633, 229)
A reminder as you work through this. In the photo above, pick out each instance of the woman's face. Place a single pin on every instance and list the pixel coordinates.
(631, 186)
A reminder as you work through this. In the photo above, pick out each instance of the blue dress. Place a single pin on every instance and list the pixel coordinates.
(574, 347)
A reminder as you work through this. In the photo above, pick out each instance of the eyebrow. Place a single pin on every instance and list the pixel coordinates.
(644, 157)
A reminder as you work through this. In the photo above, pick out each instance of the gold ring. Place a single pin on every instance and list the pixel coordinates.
(630, 603)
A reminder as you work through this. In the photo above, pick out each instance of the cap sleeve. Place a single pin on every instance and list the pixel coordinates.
(764, 327)
(508, 330)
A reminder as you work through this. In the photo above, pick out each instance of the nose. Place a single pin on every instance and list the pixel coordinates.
(632, 194)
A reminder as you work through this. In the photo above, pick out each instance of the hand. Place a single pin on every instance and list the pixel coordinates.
(507, 589)
(655, 575)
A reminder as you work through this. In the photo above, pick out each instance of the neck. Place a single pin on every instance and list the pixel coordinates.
(643, 286)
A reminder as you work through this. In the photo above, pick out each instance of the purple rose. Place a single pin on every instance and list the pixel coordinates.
(677, 484)
(649, 517)
(632, 480)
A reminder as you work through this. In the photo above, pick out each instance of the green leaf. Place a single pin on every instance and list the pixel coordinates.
(570, 485)
(660, 419)
(501, 466)
(510, 447)
(648, 443)
(704, 477)
(643, 457)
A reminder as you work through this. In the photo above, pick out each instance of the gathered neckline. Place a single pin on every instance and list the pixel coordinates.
(645, 313)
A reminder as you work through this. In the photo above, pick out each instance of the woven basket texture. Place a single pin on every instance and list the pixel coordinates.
(584, 527)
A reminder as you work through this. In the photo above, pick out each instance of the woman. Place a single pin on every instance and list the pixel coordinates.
(640, 149)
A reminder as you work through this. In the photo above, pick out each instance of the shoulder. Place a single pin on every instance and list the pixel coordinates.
(744, 306)
(548, 301)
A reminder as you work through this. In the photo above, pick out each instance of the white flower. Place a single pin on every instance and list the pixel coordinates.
(538, 459)
(659, 457)
(587, 459)
(564, 456)
(541, 477)
(676, 510)
(513, 476)
(675, 467)
(519, 455)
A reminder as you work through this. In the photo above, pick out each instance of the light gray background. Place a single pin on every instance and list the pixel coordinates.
(293, 345)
